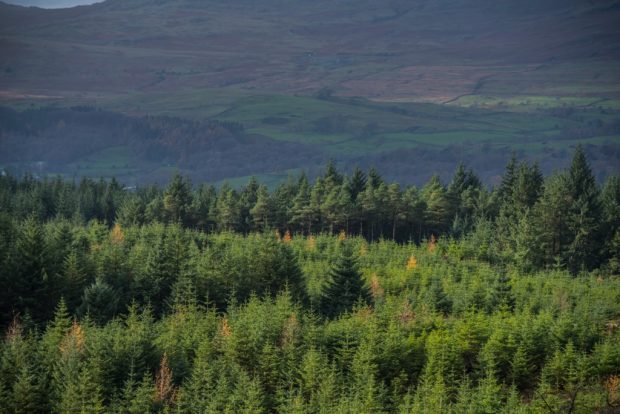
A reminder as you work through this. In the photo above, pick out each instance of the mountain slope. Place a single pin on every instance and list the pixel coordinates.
(410, 86)
(428, 50)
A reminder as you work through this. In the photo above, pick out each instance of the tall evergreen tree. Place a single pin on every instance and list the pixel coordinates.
(247, 201)
(437, 213)
(32, 287)
(73, 281)
(99, 302)
(262, 211)
(131, 212)
(357, 182)
(610, 200)
(228, 213)
(584, 215)
(302, 213)
(508, 180)
(345, 286)
(550, 225)
(178, 199)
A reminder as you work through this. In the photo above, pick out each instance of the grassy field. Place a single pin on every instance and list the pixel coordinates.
(346, 128)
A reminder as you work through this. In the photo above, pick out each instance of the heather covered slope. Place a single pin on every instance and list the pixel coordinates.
(432, 50)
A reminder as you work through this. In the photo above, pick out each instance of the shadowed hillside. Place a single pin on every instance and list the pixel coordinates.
(410, 86)
(399, 49)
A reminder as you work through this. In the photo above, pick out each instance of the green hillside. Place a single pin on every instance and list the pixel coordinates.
(363, 83)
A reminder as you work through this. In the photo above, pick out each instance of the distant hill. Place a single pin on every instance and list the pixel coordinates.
(361, 81)
(50, 4)
(432, 50)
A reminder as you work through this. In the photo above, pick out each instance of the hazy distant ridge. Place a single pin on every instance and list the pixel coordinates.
(50, 4)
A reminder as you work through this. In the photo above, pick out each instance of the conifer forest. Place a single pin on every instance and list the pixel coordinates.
(342, 294)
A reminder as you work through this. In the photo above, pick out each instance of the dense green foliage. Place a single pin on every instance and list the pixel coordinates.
(501, 301)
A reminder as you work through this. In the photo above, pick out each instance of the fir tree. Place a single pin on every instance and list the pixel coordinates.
(345, 287)
(584, 215)
(33, 288)
(262, 210)
(302, 213)
(610, 200)
(178, 199)
(74, 279)
(99, 301)
(357, 183)
(131, 212)
(508, 180)
(437, 213)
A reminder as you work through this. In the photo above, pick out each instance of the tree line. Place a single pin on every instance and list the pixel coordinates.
(566, 220)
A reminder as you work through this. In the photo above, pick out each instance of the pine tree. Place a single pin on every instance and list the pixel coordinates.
(74, 382)
(437, 213)
(502, 293)
(8, 236)
(262, 211)
(414, 208)
(508, 180)
(395, 207)
(336, 207)
(302, 213)
(317, 197)
(527, 187)
(550, 223)
(462, 193)
(32, 287)
(74, 279)
(345, 287)
(357, 183)
(138, 397)
(610, 200)
(521, 369)
(27, 396)
(204, 207)
(227, 207)
(131, 211)
(332, 177)
(99, 301)
(178, 200)
(153, 284)
(584, 215)
(287, 270)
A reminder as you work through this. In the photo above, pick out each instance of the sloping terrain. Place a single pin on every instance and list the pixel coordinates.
(399, 49)
(453, 80)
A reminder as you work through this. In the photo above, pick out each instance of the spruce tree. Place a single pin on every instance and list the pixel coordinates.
(227, 209)
(178, 199)
(287, 269)
(584, 215)
(550, 221)
(99, 301)
(502, 293)
(32, 285)
(247, 200)
(262, 211)
(131, 211)
(345, 287)
(437, 213)
(610, 200)
(74, 279)
(357, 183)
(302, 213)
(28, 395)
(508, 180)
(153, 284)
